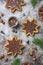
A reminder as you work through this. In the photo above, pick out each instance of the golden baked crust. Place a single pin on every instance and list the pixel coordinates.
(14, 46)
(30, 27)
(14, 5)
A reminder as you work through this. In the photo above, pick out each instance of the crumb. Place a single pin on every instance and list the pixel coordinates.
(28, 42)
(14, 31)
(1, 14)
(5, 58)
(1, 56)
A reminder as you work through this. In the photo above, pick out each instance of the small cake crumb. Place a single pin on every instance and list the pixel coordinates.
(1, 56)
(30, 53)
(26, 63)
(28, 42)
(5, 58)
(14, 31)
(1, 21)
(1, 14)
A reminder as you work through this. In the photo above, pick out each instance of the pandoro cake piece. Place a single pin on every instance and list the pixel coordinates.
(14, 46)
(14, 5)
(30, 27)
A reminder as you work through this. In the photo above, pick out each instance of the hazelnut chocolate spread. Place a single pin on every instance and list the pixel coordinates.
(14, 47)
(41, 12)
(14, 4)
(30, 27)
(12, 21)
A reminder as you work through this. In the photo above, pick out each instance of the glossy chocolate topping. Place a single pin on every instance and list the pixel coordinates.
(14, 46)
(30, 27)
(12, 21)
(14, 4)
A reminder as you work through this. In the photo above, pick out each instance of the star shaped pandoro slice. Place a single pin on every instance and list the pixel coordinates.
(30, 27)
(14, 46)
(14, 5)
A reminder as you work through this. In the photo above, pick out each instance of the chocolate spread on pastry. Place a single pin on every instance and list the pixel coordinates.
(14, 47)
(14, 4)
(30, 27)
(41, 12)
(12, 21)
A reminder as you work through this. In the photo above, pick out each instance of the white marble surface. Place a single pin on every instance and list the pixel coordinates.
(30, 12)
